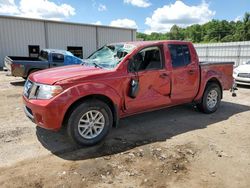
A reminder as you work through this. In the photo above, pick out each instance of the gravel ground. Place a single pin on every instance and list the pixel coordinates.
(174, 147)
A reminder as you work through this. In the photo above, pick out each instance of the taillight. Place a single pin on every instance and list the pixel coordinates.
(13, 66)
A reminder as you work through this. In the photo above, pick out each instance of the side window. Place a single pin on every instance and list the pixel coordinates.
(186, 53)
(180, 55)
(148, 59)
(44, 55)
(57, 57)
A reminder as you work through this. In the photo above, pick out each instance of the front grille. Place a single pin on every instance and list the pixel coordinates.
(244, 75)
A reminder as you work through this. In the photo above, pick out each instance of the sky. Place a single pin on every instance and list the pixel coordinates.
(145, 15)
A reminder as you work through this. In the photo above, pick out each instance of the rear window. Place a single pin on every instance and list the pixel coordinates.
(180, 55)
(43, 55)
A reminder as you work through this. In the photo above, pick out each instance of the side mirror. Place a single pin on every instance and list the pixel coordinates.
(134, 88)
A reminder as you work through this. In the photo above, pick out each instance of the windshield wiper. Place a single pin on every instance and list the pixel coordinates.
(96, 65)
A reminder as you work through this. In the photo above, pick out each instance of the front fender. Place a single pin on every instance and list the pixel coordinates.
(87, 89)
(77, 92)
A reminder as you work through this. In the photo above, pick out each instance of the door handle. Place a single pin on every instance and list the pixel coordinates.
(163, 75)
(191, 72)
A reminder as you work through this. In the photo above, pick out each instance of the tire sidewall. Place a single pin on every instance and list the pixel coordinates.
(79, 112)
(208, 89)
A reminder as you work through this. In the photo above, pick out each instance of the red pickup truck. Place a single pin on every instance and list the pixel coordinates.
(120, 80)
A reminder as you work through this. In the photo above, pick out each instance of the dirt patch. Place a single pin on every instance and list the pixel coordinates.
(142, 167)
(13, 135)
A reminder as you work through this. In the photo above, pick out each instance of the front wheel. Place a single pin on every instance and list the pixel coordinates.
(90, 122)
(211, 99)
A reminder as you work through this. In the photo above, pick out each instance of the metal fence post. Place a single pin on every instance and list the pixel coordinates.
(206, 53)
(238, 55)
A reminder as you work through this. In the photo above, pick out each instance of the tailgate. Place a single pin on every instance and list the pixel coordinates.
(8, 63)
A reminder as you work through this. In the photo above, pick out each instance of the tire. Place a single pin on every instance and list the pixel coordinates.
(211, 99)
(89, 123)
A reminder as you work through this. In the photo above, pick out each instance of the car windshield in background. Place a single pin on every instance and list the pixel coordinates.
(109, 56)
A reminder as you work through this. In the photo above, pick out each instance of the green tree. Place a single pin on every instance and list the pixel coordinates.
(246, 27)
(194, 33)
(176, 33)
(213, 31)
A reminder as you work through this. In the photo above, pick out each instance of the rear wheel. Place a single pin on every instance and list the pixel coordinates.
(90, 122)
(211, 99)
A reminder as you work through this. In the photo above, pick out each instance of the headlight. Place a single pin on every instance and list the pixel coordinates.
(47, 91)
(235, 72)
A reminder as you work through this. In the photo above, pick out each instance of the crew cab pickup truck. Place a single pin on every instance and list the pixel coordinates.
(23, 66)
(120, 80)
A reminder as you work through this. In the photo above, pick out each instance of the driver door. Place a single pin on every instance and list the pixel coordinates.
(154, 81)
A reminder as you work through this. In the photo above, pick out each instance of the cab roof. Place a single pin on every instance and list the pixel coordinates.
(148, 43)
(64, 52)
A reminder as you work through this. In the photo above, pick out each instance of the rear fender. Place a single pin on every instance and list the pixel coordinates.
(211, 76)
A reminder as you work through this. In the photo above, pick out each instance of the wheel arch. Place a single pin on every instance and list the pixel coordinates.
(204, 85)
(113, 107)
(216, 81)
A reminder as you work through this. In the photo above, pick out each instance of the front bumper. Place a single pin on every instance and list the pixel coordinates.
(242, 81)
(47, 114)
(29, 114)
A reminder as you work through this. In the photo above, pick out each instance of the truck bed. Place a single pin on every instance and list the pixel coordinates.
(222, 71)
(22, 65)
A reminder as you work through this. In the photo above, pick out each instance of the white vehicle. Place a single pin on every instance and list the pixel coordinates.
(242, 74)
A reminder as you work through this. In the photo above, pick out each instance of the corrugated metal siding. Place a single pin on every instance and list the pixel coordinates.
(16, 35)
(238, 52)
(133, 35)
(109, 35)
(62, 35)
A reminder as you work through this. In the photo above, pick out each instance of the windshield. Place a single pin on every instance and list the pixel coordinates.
(248, 62)
(109, 56)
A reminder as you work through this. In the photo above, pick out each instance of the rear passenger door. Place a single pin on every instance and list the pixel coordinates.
(57, 60)
(185, 73)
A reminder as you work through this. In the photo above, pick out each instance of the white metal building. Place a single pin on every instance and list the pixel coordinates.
(24, 36)
(237, 52)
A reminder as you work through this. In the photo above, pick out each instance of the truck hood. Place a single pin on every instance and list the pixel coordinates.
(53, 75)
(243, 69)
